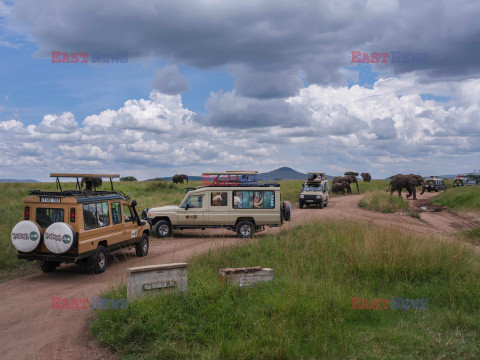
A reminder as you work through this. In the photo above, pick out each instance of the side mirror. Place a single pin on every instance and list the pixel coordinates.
(187, 206)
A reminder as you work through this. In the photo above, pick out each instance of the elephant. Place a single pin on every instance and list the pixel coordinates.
(91, 182)
(409, 182)
(366, 177)
(341, 186)
(348, 178)
(179, 178)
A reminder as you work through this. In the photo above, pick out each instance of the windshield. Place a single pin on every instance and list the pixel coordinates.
(312, 188)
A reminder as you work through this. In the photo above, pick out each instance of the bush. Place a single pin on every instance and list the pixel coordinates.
(159, 185)
(128, 178)
(383, 202)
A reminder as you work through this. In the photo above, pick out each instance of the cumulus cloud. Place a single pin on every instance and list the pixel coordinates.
(383, 130)
(169, 81)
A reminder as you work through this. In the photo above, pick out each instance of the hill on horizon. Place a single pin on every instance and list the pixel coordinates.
(282, 173)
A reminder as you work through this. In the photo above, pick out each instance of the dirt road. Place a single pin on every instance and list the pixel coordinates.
(31, 329)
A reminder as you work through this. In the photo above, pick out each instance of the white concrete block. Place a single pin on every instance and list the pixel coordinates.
(157, 280)
(245, 277)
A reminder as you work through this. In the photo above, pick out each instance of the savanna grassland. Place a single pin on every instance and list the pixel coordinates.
(306, 312)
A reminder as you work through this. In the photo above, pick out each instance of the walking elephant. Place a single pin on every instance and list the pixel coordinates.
(408, 182)
(180, 178)
(341, 186)
(348, 178)
(366, 177)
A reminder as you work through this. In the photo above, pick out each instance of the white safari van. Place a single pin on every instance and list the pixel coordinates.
(233, 200)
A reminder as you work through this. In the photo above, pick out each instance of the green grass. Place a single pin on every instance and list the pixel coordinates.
(305, 313)
(460, 198)
(472, 236)
(383, 202)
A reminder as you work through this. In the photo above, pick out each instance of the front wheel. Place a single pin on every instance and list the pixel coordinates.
(163, 229)
(321, 204)
(245, 229)
(141, 249)
(301, 205)
(49, 266)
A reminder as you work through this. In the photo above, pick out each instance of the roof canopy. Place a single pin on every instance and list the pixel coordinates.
(84, 175)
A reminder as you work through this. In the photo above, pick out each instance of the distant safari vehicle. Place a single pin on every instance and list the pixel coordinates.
(471, 182)
(78, 226)
(433, 183)
(234, 200)
(315, 190)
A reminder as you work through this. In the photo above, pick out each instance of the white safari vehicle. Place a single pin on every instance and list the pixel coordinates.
(315, 191)
(234, 200)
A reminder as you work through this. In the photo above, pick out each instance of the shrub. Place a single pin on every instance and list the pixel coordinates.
(128, 178)
(383, 202)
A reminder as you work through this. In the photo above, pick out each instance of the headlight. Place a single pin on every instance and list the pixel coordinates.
(302, 196)
(318, 196)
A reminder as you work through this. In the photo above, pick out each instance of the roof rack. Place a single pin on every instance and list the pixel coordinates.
(233, 178)
(83, 176)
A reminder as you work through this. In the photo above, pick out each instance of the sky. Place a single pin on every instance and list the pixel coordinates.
(378, 86)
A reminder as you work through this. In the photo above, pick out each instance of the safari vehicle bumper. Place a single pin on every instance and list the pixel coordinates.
(68, 258)
(310, 199)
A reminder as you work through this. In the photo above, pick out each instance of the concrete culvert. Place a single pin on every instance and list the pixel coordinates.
(26, 236)
(59, 237)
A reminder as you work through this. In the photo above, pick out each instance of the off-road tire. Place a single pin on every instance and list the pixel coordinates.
(98, 262)
(245, 229)
(163, 229)
(49, 266)
(326, 203)
(321, 204)
(141, 249)
(286, 210)
(301, 205)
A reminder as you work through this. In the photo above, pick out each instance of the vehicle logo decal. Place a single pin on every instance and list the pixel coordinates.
(66, 239)
(33, 236)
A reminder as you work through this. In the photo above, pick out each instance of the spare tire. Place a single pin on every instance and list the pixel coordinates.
(59, 237)
(26, 236)
(286, 210)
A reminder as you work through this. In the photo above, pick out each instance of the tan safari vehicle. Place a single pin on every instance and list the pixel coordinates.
(315, 191)
(78, 226)
(233, 200)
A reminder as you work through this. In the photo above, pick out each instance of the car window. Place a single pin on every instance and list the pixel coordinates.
(218, 198)
(116, 213)
(47, 216)
(253, 199)
(194, 201)
(127, 213)
(96, 215)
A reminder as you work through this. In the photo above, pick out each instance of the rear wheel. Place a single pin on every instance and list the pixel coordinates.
(49, 266)
(141, 249)
(245, 229)
(285, 210)
(98, 262)
(163, 229)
